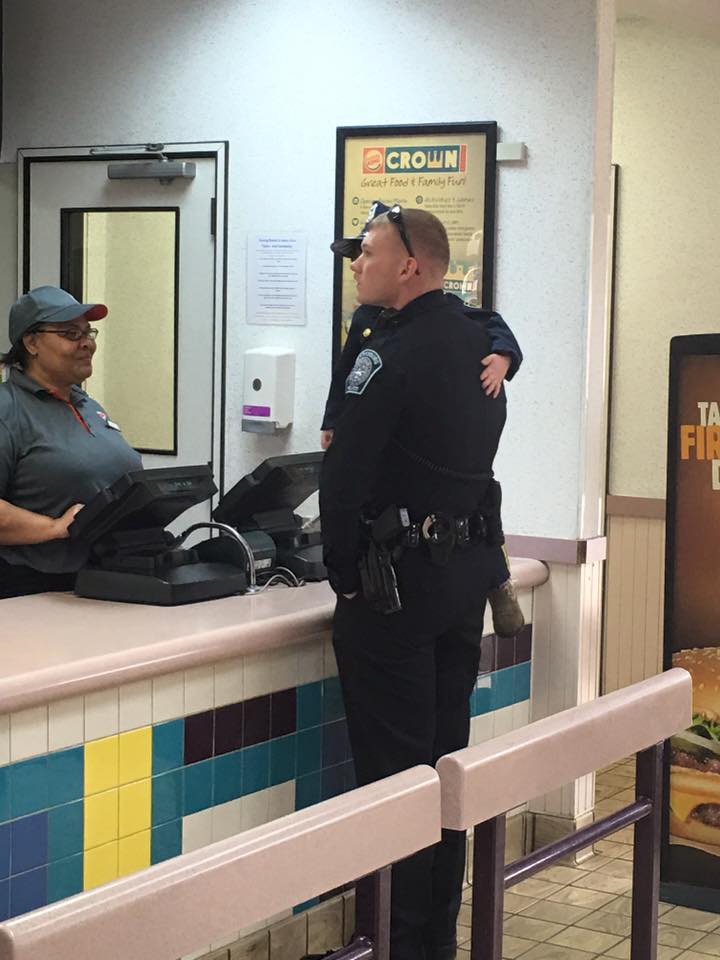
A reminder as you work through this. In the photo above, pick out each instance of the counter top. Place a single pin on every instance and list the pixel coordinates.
(57, 645)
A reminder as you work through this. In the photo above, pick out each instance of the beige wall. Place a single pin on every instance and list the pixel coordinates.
(666, 141)
(8, 244)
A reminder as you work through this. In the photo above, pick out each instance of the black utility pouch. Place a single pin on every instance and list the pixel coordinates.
(379, 583)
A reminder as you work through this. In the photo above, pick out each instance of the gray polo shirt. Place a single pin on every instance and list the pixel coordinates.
(54, 454)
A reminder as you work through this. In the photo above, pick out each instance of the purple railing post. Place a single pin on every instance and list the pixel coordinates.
(488, 891)
(646, 855)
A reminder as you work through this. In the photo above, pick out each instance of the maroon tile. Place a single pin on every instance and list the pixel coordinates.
(256, 720)
(283, 712)
(228, 728)
(488, 654)
(199, 736)
(523, 644)
(505, 652)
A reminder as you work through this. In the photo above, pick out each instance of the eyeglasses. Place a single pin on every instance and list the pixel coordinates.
(72, 334)
(395, 215)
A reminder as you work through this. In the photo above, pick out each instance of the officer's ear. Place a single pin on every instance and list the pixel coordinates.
(409, 270)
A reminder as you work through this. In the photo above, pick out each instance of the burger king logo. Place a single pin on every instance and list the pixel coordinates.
(373, 159)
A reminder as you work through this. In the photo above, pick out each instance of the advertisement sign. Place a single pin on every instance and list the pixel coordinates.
(447, 169)
(691, 847)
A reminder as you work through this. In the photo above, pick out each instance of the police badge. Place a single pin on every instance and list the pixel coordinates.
(366, 366)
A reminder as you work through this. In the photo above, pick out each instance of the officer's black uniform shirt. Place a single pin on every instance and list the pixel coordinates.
(368, 327)
(416, 390)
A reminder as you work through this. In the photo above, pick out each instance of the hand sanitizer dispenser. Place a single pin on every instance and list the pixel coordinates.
(269, 389)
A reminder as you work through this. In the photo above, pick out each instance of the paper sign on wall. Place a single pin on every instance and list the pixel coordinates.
(276, 270)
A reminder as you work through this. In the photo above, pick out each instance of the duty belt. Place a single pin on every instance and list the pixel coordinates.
(439, 532)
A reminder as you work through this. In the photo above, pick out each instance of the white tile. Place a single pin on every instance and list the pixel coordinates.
(229, 682)
(224, 941)
(281, 800)
(28, 733)
(197, 830)
(203, 951)
(482, 728)
(199, 689)
(258, 675)
(525, 599)
(168, 697)
(226, 820)
(4, 740)
(283, 668)
(311, 661)
(66, 723)
(503, 721)
(330, 668)
(135, 705)
(102, 714)
(255, 809)
(520, 714)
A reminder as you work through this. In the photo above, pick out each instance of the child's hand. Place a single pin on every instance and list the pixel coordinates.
(326, 438)
(496, 367)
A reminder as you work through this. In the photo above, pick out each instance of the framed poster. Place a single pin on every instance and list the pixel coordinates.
(447, 169)
(690, 872)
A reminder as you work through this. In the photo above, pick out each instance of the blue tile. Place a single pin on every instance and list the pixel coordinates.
(4, 900)
(28, 787)
(333, 707)
(65, 878)
(4, 850)
(307, 790)
(503, 688)
(28, 891)
(4, 794)
(333, 781)
(65, 831)
(482, 696)
(228, 777)
(336, 745)
(283, 759)
(168, 746)
(302, 907)
(166, 841)
(256, 767)
(29, 843)
(309, 705)
(65, 775)
(167, 797)
(522, 682)
(197, 787)
(309, 750)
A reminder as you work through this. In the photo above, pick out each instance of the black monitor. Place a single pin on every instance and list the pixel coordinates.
(278, 484)
(143, 500)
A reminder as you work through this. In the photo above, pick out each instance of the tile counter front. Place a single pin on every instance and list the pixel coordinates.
(105, 782)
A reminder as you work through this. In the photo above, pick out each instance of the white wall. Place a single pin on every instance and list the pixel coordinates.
(667, 140)
(276, 78)
(8, 245)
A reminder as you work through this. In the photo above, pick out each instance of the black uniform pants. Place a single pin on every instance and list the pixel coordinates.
(406, 694)
(20, 581)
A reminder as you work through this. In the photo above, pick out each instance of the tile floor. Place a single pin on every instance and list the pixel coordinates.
(583, 912)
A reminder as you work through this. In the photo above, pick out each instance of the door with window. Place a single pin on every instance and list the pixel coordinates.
(149, 247)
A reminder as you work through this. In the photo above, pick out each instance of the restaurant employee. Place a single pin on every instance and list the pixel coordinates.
(58, 447)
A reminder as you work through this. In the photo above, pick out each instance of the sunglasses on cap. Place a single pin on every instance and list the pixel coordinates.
(395, 215)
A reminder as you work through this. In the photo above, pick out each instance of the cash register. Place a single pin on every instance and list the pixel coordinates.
(262, 508)
(134, 558)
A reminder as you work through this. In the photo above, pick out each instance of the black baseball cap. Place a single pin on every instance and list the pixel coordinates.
(350, 246)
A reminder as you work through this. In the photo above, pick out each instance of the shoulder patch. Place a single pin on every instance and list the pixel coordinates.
(367, 364)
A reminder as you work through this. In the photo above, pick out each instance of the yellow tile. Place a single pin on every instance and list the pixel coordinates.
(101, 765)
(134, 853)
(134, 808)
(101, 819)
(135, 755)
(101, 865)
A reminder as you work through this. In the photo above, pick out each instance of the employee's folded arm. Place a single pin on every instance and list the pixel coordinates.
(19, 527)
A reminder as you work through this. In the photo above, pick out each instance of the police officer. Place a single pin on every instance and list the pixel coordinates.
(412, 451)
(58, 447)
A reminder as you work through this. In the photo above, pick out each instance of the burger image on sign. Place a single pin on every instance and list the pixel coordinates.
(373, 160)
(695, 754)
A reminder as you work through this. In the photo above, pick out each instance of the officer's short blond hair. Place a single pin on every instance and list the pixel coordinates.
(426, 234)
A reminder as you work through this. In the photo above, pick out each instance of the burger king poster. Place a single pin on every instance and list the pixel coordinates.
(691, 847)
(447, 169)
